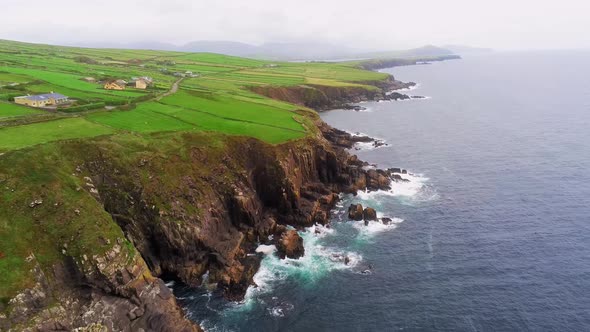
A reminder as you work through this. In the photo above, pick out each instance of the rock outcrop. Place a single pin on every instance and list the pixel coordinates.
(113, 292)
(369, 214)
(290, 245)
(355, 212)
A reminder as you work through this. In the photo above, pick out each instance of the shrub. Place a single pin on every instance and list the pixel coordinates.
(19, 87)
(82, 108)
(85, 59)
(116, 102)
(144, 98)
(9, 96)
(127, 107)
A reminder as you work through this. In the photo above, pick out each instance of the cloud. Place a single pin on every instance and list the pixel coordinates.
(376, 24)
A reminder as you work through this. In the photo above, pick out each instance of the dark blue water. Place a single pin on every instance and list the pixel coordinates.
(493, 231)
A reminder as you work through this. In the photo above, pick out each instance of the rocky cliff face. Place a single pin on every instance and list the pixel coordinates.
(112, 292)
(211, 217)
(188, 204)
(325, 97)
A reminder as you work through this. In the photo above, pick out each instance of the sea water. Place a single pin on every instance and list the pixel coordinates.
(492, 233)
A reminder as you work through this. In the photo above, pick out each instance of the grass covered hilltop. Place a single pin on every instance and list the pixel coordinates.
(217, 97)
(102, 194)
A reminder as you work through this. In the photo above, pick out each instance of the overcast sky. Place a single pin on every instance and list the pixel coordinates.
(375, 24)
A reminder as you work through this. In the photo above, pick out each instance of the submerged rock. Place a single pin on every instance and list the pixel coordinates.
(355, 212)
(386, 221)
(290, 245)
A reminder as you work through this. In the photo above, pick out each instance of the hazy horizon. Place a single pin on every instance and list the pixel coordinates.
(368, 26)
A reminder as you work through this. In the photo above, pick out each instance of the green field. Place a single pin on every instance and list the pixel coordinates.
(32, 134)
(218, 100)
(8, 110)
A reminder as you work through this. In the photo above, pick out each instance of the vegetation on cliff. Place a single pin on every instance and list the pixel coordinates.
(388, 62)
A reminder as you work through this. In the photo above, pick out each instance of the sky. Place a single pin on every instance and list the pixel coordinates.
(362, 24)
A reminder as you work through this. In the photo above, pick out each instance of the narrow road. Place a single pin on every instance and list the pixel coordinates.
(172, 90)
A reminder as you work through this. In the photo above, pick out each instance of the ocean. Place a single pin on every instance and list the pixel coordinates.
(492, 233)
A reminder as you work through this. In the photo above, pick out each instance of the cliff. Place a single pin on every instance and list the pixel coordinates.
(107, 217)
(321, 97)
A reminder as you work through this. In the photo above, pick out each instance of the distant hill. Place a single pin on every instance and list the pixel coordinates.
(220, 46)
(141, 45)
(424, 51)
(281, 51)
(275, 51)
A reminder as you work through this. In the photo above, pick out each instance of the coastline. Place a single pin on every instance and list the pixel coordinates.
(345, 142)
(202, 220)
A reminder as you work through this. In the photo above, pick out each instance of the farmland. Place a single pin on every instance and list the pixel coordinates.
(216, 98)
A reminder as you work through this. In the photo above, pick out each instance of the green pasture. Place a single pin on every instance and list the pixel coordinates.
(219, 100)
(32, 134)
(8, 110)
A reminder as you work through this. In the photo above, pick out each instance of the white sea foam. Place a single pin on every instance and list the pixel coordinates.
(365, 110)
(266, 249)
(317, 262)
(281, 309)
(356, 134)
(375, 227)
(415, 188)
(366, 146)
(413, 98)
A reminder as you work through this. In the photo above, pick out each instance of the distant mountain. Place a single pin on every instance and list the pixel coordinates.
(462, 49)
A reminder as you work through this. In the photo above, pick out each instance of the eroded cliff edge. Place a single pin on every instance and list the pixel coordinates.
(129, 209)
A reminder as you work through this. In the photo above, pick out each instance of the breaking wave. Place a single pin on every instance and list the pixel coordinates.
(413, 188)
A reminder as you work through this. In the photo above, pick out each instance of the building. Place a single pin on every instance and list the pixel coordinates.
(48, 99)
(89, 79)
(115, 85)
(190, 74)
(141, 82)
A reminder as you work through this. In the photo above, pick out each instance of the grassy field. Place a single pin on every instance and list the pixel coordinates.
(8, 110)
(31, 134)
(218, 100)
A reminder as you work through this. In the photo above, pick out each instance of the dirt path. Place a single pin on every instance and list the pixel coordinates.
(172, 90)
